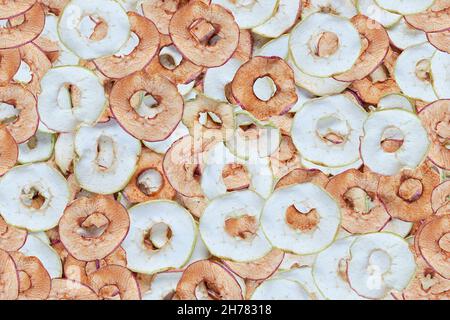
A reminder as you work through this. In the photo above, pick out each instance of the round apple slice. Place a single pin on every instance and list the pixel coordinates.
(326, 131)
(252, 136)
(385, 123)
(370, 9)
(402, 35)
(343, 8)
(28, 29)
(14, 8)
(66, 289)
(9, 64)
(216, 81)
(34, 280)
(440, 66)
(221, 166)
(396, 101)
(375, 43)
(163, 286)
(380, 262)
(8, 151)
(118, 65)
(33, 196)
(440, 40)
(249, 14)
(153, 119)
(114, 282)
(230, 229)
(330, 271)
(301, 218)
(435, 118)
(433, 242)
(356, 193)
(65, 151)
(9, 290)
(207, 280)
(145, 254)
(279, 72)
(302, 176)
(34, 247)
(413, 72)
(206, 34)
(70, 96)
(324, 45)
(38, 148)
(434, 19)
(286, 14)
(280, 289)
(107, 157)
(107, 11)
(405, 7)
(91, 228)
(162, 146)
(11, 238)
(304, 276)
(18, 111)
(440, 197)
(149, 181)
(259, 269)
(407, 195)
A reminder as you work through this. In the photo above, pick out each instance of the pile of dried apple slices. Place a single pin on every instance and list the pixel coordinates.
(224, 149)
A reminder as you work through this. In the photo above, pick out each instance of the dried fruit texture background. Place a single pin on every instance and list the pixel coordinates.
(249, 149)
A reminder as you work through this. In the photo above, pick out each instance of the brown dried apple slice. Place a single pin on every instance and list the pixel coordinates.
(118, 66)
(26, 31)
(436, 120)
(206, 35)
(244, 49)
(356, 193)
(407, 195)
(9, 64)
(279, 72)
(11, 238)
(9, 151)
(195, 205)
(434, 243)
(440, 40)
(25, 123)
(302, 176)
(435, 19)
(92, 228)
(150, 123)
(115, 282)
(66, 289)
(14, 8)
(149, 181)
(375, 46)
(285, 159)
(9, 278)
(440, 198)
(207, 280)
(34, 280)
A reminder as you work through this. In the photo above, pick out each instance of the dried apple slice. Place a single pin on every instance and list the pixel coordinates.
(206, 34)
(396, 101)
(38, 148)
(108, 11)
(280, 289)
(34, 280)
(405, 7)
(285, 159)
(92, 228)
(434, 19)
(286, 14)
(324, 45)
(195, 205)
(217, 80)
(11, 238)
(343, 8)
(440, 197)
(440, 40)
(356, 193)
(145, 254)
(9, 288)
(114, 282)
(279, 72)
(393, 122)
(380, 262)
(230, 229)
(152, 120)
(66, 289)
(413, 72)
(119, 66)
(440, 66)
(9, 64)
(375, 48)
(402, 35)
(435, 118)
(65, 151)
(249, 14)
(25, 30)
(14, 8)
(433, 242)
(40, 195)
(302, 176)
(8, 151)
(301, 218)
(370, 9)
(326, 131)
(163, 286)
(149, 181)
(207, 280)
(107, 157)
